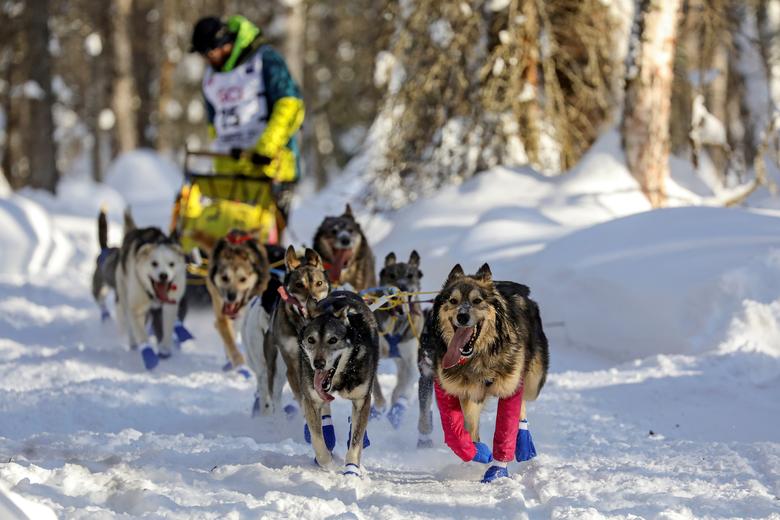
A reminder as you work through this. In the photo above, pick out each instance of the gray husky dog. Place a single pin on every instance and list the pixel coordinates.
(269, 338)
(400, 327)
(339, 353)
(345, 252)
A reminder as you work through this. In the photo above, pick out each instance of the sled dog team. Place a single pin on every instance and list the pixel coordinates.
(311, 327)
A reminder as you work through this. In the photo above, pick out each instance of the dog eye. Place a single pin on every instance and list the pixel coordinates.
(391, 276)
(311, 340)
(453, 301)
(299, 285)
(477, 301)
(319, 283)
(170, 264)
(225, 278)
(332, 341)
(242, 279)
(154, 263)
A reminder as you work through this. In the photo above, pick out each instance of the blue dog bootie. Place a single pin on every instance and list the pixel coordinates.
(396, 413)
(290, 411)
(366, 442)
(105, 315)
(149, 356)
(180, 334)
(375, 413)
(256, 406)
(524, 449)
(328, 432)
(496, 471)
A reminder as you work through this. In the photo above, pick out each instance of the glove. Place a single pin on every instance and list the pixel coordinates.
(260, 159)
(483, 455)
(236, 153)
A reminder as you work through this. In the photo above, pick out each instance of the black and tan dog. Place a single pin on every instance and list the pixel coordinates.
(399, 327)
(487, 341)
(272, 336)
(238, 271)
(339, 353)
(345, 252)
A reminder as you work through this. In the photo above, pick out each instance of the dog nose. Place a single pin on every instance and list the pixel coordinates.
(231, 296)
(319, 364)
(163, 277)
(344, 241)
(463, 318)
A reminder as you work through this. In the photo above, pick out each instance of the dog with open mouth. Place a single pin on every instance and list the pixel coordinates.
(339, 354)
(150, 273)
(345, 252)
(399, 327)
(238, 271)
(487, 341)
(271, 334)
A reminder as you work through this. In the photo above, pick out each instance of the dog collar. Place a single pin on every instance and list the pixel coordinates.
(238, 238)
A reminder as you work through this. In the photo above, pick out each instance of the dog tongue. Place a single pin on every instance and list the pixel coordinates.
(340, 259)
(161, 291)
(230, 309)
(461, 337)
(319, 378)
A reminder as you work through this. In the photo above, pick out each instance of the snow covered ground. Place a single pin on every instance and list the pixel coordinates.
(663, 400)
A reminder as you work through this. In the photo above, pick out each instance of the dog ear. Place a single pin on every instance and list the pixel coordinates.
(390, 260)
(145, 250)
(414, 258)
(313, 258)
(174, 236)
(457, 272)
(291, 259)
(348, 211)
(484, 274)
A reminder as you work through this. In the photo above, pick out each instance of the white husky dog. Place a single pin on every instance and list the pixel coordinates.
(151, 273)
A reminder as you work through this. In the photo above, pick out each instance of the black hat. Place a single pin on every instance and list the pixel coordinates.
(209, 33)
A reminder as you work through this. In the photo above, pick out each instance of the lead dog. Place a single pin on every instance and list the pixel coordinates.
(150, 273)
(400, 327)
(487, 341)
(339, 353)
(272, 341)
(345, 252)
(238, 271)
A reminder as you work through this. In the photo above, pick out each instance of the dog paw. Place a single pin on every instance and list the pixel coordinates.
(181, 333)
(375, 413)
(105, 315)
(352, 470)
(493, 473)
(396, 413)
(227, 367)
(150, 357)
(524, 448)
(424, 443)
(164, 354)
(290, 411)
(243, 371)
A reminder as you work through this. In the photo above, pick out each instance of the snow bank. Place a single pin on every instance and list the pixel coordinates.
(28, 241)
(80, 197)
(143, 176)
(667, 281)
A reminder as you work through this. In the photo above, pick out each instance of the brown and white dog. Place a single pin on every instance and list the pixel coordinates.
(238, 271)
(345, 252)
(486, 339)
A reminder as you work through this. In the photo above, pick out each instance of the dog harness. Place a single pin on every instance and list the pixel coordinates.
(457, 437)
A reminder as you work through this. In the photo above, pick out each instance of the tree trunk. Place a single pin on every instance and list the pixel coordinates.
(146, 49)
(125, 99)
(40, 146)
(645, 126)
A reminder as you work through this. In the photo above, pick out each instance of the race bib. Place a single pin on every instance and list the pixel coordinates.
(239, 102)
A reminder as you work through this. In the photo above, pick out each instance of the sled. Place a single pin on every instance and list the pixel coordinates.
(210, 204)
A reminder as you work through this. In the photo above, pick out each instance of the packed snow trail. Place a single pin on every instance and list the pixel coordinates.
(687, 433)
